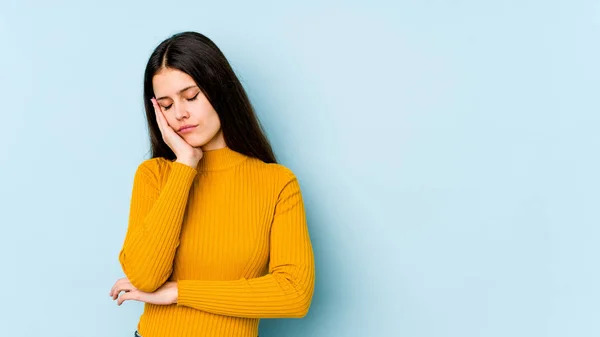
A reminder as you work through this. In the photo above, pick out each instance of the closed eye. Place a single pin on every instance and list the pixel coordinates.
(189, 100)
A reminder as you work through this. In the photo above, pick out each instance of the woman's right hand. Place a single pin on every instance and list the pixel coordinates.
(184, 152)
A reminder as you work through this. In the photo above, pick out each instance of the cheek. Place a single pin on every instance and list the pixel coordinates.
(213, 118)
(211, 123)
(168, 118)
(208, 119)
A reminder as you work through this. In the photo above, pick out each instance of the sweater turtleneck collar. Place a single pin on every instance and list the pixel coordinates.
(220, 159)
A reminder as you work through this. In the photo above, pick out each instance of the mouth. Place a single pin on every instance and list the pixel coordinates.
(187, 128)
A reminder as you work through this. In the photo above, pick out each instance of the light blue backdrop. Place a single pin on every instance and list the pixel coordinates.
(447, 151)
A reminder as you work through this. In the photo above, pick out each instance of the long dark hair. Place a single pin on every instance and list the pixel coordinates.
(200, 58)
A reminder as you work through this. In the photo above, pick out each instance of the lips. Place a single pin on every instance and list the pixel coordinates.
(187, 127)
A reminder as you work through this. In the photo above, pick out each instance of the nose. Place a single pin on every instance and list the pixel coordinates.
(181, 111)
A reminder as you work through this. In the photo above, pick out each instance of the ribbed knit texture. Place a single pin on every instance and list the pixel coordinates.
(232, 232)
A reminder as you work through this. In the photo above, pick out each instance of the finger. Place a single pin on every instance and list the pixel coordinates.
(118, 291)
(158, 115)
(115, 292)
(157, 112)
(112, 290)
(123, 286)
(118, 284)
(132, 295)
(161, 115)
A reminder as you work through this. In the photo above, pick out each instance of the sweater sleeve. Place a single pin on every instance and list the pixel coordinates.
(287, 289)
(155, 220)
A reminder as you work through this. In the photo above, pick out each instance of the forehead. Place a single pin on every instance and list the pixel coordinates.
(170, 81)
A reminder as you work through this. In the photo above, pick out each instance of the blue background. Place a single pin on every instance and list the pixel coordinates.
(447, 151)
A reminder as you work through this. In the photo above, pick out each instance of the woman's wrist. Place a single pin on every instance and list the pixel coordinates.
(176, 290)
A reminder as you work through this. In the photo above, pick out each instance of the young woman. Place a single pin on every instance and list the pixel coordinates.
(217, 235)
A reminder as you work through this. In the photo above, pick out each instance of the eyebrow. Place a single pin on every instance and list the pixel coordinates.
(179, 92)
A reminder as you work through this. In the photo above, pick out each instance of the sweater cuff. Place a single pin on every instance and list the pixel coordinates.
(184, 295)
(183, 173)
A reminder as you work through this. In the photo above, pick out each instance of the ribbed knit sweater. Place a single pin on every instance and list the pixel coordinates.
(232, 232)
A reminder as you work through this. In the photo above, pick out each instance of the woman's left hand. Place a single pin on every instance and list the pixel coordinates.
(165, 295)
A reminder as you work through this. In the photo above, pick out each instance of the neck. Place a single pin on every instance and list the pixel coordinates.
(219, 159)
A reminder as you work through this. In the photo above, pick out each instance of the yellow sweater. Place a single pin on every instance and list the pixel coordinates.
(233, 234)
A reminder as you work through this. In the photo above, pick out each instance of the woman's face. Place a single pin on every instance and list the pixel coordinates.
(183, 103)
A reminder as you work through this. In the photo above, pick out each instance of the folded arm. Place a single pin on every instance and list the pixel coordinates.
(286, 291)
